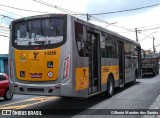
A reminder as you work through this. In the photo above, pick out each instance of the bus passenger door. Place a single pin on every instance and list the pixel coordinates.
(121, 62)
(94, 62)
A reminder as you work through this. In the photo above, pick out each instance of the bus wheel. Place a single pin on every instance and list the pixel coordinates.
(110, 86)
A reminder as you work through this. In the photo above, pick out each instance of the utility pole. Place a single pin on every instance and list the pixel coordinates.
(87, 17)
(136, 34)
(153, 45)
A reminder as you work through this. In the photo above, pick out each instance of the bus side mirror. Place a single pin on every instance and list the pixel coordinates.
(143, 54)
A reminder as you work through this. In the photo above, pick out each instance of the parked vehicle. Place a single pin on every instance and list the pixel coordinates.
(150, 66)
(4, 87)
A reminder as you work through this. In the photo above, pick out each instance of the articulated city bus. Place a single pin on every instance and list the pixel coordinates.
(61, 55)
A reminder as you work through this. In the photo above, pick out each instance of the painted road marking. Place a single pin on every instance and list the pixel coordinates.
(18, 102)
(26, 103)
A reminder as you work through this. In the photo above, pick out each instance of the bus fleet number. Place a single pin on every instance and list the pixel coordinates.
(50, 53)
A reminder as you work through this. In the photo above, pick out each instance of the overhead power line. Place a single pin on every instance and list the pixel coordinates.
(90, 15)
(148, 36)
(23, 9)
(144, 35)
(56, 7)
(4, 27)
(11, 12)
(4, 35)
(153, 28)
(148, 26)
(127, 10)
(99, 20)
(7, 33)
(6, 16)
(64, 10)
(127, 32)
(27, 10)
(6, 30)
(59, 8)
(76, 13)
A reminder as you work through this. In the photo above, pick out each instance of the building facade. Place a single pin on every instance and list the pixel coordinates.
(4, 63)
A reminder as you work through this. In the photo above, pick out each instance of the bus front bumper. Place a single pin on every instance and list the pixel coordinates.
(37, 89)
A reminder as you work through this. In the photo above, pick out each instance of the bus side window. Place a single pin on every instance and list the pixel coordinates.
(126, 50)
(103, 44)
(108, 47)
(135, 52)
(113, 47)
(81, 39)
(129, 50)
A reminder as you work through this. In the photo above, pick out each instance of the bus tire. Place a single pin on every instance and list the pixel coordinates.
(110, 86)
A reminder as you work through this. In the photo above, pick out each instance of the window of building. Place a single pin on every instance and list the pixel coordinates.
(5, 66)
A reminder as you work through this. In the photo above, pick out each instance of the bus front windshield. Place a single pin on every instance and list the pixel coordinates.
(38, 32)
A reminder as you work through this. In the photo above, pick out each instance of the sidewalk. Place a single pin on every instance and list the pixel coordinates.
(155, 105)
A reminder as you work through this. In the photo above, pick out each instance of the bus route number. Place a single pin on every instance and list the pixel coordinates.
(50, 53)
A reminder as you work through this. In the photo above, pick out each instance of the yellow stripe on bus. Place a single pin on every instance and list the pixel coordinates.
(106, 70)
(82, 76)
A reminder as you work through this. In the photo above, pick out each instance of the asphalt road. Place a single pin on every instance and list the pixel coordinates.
(133, 96)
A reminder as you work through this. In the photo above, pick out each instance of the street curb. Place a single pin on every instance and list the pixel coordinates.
(155, 105)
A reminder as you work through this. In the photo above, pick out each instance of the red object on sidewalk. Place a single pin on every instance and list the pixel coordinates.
(4, 87)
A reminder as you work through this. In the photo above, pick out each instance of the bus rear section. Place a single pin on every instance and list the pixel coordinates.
(61, 55)
(39, 55)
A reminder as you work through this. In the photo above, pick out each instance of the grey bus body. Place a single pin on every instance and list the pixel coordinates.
(100, 47)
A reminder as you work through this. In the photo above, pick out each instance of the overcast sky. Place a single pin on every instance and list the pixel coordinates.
(126, 20)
